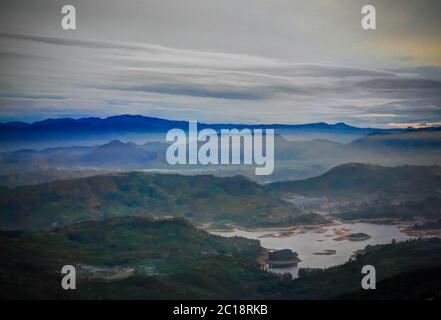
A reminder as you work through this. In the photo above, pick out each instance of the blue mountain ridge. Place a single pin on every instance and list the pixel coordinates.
(138, 123)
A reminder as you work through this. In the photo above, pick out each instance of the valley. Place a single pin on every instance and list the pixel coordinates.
(134, 228)
(230, 151)
(138, 258)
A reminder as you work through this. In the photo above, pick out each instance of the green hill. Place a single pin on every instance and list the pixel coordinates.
(357, 179)
(139, 258)
(421, 284)
(147, 259)
(200, 198)
(429, 208)
(394, 264)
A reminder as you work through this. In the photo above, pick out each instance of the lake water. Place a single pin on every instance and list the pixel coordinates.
(312, 241)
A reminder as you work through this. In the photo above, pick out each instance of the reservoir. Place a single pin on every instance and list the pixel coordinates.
(322, 247)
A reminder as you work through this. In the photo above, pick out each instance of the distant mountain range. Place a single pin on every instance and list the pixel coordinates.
(294, 159)
(138, 123)
(67, 131)
(115, 155)
(424, 138)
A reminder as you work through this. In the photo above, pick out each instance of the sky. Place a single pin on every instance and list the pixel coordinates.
(247, 61)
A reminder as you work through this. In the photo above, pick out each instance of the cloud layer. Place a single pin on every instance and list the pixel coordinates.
(318, 75)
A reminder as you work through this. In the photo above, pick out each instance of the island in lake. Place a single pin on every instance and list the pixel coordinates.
(282, 258)
(361, 236)
(358, 236)
(325, 252)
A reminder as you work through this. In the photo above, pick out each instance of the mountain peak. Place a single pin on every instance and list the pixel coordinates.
(114, 143)
(342, 125)
(53, 121)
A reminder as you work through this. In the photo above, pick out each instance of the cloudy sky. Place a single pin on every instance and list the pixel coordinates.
(253, 61)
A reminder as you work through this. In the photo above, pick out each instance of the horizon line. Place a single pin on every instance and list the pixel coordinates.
(392, 126)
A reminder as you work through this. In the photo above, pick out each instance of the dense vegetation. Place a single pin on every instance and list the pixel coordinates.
(411, 258)
(413, 285)
(349, 181)
(282, 255)
(200, 198)
(429, 208)
(436, 224)
(171, 259)
(415, 191)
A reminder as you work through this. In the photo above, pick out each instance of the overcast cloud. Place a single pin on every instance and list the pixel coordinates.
(217, 61)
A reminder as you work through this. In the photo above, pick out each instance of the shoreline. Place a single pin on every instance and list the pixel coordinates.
(405, 227)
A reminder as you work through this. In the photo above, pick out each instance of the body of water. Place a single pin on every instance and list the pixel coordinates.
(308, 242)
